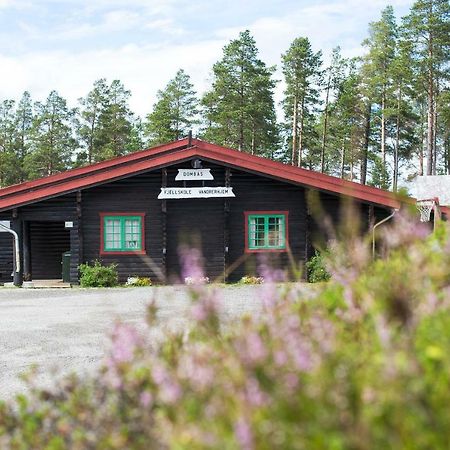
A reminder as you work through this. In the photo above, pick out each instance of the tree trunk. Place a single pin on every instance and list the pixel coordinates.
(343, 158)
(300, 137)
(383, 128)
(253, 141)
(397, 140)
(325, 124)
(366, 144)
(294, 132)
(435, 128)
(422, 141)
(430, 121)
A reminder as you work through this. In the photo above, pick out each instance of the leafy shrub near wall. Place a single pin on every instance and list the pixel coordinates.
(316, 269)
(98, 275)
(362, 365)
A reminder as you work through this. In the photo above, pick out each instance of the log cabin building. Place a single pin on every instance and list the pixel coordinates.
(136, 211)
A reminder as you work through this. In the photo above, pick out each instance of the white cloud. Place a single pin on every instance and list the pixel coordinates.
(146, 66)
(143, 70)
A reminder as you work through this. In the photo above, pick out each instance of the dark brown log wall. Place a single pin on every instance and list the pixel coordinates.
(134, 194)
(214, 224)
(256, 193)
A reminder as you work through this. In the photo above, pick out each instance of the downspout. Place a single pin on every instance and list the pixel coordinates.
(16, 246)
(377, 225)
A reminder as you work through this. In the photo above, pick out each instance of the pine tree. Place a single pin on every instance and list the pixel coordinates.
(334, 75)
(301, 69)
(175, 112)
(382, 45)
(427, 28)
(347, 125)
(88, 130)
(8, 163)
(52, 141)
(23, 125)
(115, 122)
(404, 118)
(239, 109)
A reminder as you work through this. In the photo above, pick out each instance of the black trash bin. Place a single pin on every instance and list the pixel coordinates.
(66, 267)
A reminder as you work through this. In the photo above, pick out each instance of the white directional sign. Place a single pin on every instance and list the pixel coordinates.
(195, 192)
(194, 174)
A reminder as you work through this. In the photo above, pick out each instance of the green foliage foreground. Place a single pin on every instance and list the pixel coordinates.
(362, 364)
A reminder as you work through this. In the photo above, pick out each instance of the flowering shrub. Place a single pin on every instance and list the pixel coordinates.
(251, 280)
(363, 365)
(199, 280)
(316, 270)
(98, 275)
(138, 281)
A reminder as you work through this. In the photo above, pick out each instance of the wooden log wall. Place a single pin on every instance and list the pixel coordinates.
(135, 194)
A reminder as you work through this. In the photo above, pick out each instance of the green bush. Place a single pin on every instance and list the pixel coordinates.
(316, 270)
(362, 365)
(98, 275)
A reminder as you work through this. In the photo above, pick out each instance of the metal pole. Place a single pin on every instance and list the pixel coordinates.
(375, 226)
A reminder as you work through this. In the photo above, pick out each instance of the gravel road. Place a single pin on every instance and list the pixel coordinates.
(64, 330)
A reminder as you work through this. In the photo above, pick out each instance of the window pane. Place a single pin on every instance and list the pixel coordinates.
(112, 234)
(275, 231)
(132, 234)
(266, 232)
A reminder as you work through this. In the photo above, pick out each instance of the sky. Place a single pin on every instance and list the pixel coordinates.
(68, 44)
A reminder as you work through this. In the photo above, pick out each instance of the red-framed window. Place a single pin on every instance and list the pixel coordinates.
(266, 231)
(122, 233)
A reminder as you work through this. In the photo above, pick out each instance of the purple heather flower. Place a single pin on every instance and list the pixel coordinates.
(169, 389)
(146, 399)
(291, 381)
(244, 434)
(280, 358)
(405, 230)
(253, 394)
(206, 306)
(125, 341)
(191, 264)
(196, 366)
(252, 349)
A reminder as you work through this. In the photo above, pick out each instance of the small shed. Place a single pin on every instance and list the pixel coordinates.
(138, 210)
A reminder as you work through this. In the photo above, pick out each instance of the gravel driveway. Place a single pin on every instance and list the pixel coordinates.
(67, 330)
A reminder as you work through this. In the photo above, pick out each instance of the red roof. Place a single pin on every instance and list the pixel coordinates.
(165, 155)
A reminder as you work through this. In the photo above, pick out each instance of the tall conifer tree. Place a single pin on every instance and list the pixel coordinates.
(302, 72)
(239, 109)
(53, 143)
(382, 45)
(427, 27)
(89, 131)
(23, 125)
(174, 113)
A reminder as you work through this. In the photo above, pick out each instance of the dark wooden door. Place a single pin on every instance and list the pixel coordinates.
(196, 223)
(49, 240)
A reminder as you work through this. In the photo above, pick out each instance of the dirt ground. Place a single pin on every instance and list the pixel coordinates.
(64, 330)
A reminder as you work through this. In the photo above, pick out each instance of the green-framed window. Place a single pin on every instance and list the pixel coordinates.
(266, 231)
(122, 233)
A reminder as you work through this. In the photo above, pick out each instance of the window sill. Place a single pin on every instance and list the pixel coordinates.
(265, 250)
(137, 252)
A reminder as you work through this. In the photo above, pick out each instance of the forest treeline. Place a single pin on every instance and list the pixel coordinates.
(372, 119)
